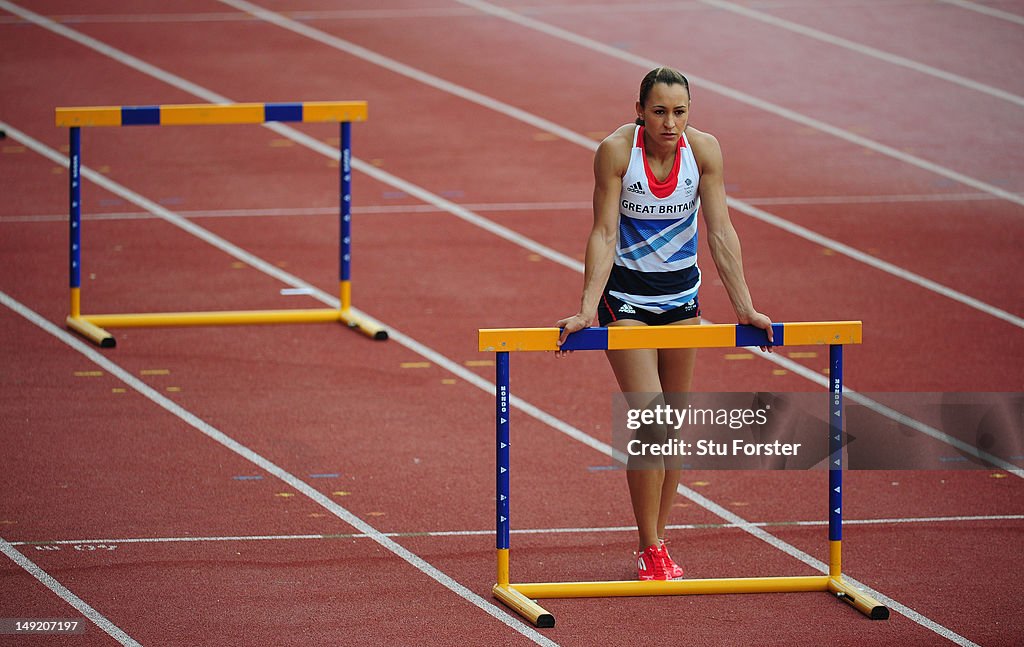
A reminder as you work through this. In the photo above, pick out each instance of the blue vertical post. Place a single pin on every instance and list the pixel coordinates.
(502, 445)
(75, 216)
(346, 215)
(835, 467)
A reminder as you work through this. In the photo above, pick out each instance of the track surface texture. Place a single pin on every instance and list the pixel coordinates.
(306, 485)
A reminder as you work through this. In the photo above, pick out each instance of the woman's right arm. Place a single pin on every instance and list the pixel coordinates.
(610, 163)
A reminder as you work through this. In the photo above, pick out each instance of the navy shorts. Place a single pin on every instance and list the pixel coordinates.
(611, 309)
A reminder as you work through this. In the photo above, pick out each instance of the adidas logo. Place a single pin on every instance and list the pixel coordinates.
(636, 187)
(627, 309)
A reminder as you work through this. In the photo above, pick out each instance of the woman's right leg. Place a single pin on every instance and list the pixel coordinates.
(636, 371)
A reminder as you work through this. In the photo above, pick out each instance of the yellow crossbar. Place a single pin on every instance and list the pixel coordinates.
(213, 113)
(810, 333)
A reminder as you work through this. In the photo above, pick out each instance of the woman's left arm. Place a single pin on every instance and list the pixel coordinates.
(721, 235)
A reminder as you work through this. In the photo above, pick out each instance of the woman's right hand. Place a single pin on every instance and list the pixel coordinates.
(570, 325)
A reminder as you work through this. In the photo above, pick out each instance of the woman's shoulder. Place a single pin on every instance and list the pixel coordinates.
(614, 150)
(621, 137)
(700, 139)
(703, 144)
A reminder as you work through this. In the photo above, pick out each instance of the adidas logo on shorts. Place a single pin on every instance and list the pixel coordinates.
(636, 187)
(627, 309)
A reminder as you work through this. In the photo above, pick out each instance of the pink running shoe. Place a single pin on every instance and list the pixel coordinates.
(650, 565)
(674, 570)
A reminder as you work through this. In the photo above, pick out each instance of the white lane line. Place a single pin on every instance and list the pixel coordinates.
(747, 99)
(305, 211)
(272, 468)
(865, 50)
(457, 369)
(385, 209)
(870, 199)
(590, 144)
(521, 531)
(988, 11)
(65, 594)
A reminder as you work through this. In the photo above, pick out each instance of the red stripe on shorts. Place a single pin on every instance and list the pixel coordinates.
(604, 297)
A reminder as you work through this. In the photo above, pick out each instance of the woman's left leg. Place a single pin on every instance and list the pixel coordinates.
(675, 368)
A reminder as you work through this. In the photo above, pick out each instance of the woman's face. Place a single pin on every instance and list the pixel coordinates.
(665, 112)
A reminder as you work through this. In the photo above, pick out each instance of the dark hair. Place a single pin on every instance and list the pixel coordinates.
(665, 75)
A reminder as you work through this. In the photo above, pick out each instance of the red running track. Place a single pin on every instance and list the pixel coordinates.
(174, 539)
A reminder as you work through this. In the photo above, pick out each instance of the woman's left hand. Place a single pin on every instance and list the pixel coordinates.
(762, 321)
(570, 325)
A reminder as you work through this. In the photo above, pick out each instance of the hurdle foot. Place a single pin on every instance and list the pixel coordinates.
(364, 324)
(92, 332)
(524, 606)
(859, 600)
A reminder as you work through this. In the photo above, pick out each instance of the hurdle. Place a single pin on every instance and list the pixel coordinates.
(835, 334)
(93, 326)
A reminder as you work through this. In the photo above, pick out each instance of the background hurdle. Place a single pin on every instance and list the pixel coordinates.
(343, 112)
(520, 597)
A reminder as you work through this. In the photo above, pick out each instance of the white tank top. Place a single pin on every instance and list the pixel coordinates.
(656, 258)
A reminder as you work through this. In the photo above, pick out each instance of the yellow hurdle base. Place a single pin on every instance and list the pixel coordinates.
(92, 326)
(520, 597)
(92, 332)
(524, 606)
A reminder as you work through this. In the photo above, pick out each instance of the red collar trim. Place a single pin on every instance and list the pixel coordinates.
(661, 189)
